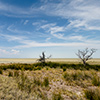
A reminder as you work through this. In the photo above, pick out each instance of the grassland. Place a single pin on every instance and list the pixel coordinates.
(50, 81)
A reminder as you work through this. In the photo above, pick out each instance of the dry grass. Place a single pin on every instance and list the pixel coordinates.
(51, 82)
(46, 84)
(92, 93)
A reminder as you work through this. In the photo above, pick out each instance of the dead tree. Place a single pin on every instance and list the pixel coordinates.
(43, 58)
(85, 55)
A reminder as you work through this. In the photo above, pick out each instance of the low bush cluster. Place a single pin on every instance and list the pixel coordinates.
(92, 94)
(57, 96)
(10, 74)
(96, 80)
(82, 78)
(39, 66)
(26, 84)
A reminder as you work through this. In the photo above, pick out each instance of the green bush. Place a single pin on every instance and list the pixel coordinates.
(92, 94)
(77, 75)
(96, 81)
(1, 72)
(37, 82)
(64, 69)
(57, 96)
(16, 73)
(10, 74)
(49, 64)
(46, 81)
(46, 68)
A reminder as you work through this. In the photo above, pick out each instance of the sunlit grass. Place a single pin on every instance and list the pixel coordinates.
(51, 81)
(92, 93)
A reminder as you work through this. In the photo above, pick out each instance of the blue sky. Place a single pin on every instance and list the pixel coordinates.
(58, 27)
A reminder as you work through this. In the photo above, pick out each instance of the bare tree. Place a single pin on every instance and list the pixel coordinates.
(43, 58)
(85, 55)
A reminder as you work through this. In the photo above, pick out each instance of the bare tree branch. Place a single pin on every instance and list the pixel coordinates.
(85, 54)
(43, 58)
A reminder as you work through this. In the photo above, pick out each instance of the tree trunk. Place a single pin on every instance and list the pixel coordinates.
(84, 62)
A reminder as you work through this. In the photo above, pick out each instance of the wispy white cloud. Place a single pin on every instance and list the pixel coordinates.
(72, 44)
(8, 52)
(14, 11)
(47, 39)
(27, 43)
(12, 37)
(60, 32)
(45, 26)
(13, 29)
(36, 23)
(13, 51)
(77, 24)
(81, 13)
(26, 21)
(54, 30)
(3, 51)
(36, 44)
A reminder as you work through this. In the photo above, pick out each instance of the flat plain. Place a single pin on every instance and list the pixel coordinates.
(60, 60)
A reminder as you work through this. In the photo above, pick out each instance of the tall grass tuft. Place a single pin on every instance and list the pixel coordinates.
(37, 82)
(16, 73)
(96, 81)
(64, 69)
(92, 94)
(1, 72)
(57, 96)
(21, 81)
(46, 81)
(10, 74)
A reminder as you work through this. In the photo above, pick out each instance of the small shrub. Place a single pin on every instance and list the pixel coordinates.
(21, 81)
(56, 96)
(92, 94)
(16, 73)
(37, 82)
(10, 74)
(67, 77)
(1, 72)
(64, 69)
(77, 75)
(46, 68)
(46, 81)
(38, 68)
(96, 81)
(71, 76)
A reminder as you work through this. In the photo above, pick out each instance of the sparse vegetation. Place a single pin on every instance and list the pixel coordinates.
(96, 80)
(39, 66)
(51, 81)
(92, 93)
